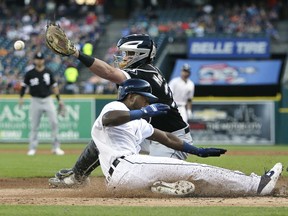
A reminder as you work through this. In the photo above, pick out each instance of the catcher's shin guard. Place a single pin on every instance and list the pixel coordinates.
(87, 161)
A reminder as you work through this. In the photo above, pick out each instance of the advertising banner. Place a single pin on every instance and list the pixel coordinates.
(228, 48)
(239, 122)
(221, 72)
(75, 126)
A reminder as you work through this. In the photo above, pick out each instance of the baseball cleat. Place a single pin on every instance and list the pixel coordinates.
(63, 173)
(66, 178)
(31, 152)
(269, 179)
(58, 151)
(68, 182)
(179, 188)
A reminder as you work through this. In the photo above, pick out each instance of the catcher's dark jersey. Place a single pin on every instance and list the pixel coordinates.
(39, 82)
(172, 121)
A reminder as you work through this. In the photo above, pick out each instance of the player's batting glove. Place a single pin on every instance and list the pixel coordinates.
(211, 152)
(149, 111)
(203, 152)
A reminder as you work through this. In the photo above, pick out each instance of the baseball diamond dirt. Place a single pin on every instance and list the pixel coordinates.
(36, 191)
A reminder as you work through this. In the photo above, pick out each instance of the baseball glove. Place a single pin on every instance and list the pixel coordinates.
(61, 109)
(57, 40)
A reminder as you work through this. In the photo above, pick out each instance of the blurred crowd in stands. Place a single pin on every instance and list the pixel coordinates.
(230, 19)
(28, 24)
(86, 28)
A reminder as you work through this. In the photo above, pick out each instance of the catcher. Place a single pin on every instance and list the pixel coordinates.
(138, 51)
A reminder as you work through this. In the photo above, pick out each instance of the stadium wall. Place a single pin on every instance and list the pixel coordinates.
(265, 120)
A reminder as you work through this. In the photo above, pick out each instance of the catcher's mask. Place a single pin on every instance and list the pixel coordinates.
(135, 49)
(136, 86)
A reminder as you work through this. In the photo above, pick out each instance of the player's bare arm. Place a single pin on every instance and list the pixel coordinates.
(118, 117)
(115, 118)
(167, 139)
(103, 69)
(59, 43)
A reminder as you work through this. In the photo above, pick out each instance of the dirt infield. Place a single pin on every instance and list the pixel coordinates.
(36, 191)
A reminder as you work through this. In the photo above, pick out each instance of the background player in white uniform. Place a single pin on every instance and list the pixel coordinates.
(40, 80)
(119, 131)
(183, 90)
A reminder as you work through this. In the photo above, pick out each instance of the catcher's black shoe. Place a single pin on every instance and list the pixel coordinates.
(63, 173)
(269, 179)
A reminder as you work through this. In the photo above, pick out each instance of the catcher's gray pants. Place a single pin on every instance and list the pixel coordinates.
(156, 149)
(38, 107)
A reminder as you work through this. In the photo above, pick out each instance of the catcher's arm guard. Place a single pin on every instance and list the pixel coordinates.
(57, 41)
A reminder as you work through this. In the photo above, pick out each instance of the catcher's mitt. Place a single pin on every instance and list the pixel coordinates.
(57, 40)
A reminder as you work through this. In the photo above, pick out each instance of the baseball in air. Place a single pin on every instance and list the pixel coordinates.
(19, 45)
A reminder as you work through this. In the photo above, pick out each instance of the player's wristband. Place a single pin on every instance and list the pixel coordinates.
(58, 97)
(22, 91)
(135, 114)
(190, 148)
(85, 59)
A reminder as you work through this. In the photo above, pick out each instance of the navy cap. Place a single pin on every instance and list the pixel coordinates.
(39, 55)
(186, 67)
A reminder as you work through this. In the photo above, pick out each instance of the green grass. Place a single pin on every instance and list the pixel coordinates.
(139, 211)
(17, 164)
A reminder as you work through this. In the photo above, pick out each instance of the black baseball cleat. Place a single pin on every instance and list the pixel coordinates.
(66, 178)
(63, 173)
(269, 179)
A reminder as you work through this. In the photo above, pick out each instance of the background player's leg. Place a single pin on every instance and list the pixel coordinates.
(52, 116)
(35, 117)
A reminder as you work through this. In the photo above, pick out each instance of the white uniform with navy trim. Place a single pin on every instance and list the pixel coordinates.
(117, 141)
(182, 91)
(136, 171)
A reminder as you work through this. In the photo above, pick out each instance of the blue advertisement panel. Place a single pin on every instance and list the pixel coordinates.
(236, 122)
(221, 72)
(228, 48)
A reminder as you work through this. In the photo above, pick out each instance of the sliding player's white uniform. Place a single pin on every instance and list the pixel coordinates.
(124, 168)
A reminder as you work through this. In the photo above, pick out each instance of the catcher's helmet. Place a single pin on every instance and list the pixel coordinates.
(140, 49)
(136, 86)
